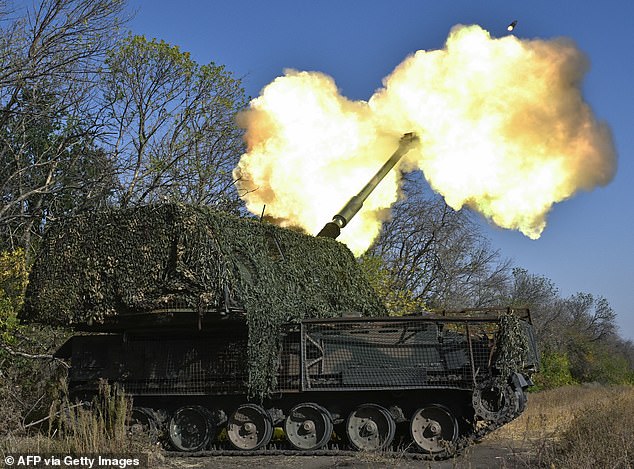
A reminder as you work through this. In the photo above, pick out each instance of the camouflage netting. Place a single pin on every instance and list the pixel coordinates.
(119, 262)
(512, 347)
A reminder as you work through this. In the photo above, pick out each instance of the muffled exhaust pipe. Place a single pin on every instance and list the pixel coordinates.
(333, 228)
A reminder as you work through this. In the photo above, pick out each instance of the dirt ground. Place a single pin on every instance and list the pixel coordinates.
(485, 455)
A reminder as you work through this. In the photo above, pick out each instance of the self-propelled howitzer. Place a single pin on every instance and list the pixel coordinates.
(222, 329)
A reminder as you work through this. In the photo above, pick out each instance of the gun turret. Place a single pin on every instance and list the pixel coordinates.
(332, 229)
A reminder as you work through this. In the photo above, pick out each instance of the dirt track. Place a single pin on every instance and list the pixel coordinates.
(486, 455)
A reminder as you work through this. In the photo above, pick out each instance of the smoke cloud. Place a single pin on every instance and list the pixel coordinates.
(503, 125)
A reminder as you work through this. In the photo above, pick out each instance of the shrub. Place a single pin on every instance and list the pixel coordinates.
(599, 362)
(554, 371)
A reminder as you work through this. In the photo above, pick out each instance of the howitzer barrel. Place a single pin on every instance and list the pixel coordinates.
(341, 219)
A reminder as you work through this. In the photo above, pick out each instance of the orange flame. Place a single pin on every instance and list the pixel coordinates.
(504, 129)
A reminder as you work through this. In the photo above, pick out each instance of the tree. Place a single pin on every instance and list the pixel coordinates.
(591, 317)
(49, 118)
(590, 331)
(173, 128)
(438, 254)
(51, 168)
(577, 335)
(541, 296)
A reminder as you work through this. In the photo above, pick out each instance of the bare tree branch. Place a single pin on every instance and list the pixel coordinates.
(36, 356)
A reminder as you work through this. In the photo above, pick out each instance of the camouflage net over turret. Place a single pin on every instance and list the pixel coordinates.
(118, 262)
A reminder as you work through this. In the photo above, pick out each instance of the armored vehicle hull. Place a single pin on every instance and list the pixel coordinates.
(429, 384)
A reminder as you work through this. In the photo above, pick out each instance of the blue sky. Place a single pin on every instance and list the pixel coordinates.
(588, 243)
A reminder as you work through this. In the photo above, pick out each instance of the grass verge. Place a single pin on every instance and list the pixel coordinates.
(578, 427)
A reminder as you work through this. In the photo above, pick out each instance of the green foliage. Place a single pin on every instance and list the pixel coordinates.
(174, 121)
(597, 362)
(611, 368)
(554, 371)
(397, 301)
(156, 59)
(579, 334)
(13, 281)
(51, 167)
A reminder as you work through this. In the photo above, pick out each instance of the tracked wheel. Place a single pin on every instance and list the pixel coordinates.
(190, 428)
(308, 426)
(370, 427)
(250, 427)
(144, 421)
(495, 403)
(434, 430)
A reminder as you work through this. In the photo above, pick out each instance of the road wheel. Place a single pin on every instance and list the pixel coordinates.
(434, 430)
(190, 428)
(370, 427)
(250, 427)
(308, 426)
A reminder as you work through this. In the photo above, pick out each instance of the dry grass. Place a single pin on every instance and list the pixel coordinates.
(575, 427)
(73, 429)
